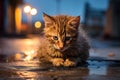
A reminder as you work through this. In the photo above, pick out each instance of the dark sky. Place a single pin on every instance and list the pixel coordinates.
(68, 7)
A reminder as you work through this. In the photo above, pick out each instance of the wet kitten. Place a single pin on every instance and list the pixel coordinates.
(64, 43)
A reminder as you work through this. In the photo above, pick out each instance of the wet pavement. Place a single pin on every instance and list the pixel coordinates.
(18, 62)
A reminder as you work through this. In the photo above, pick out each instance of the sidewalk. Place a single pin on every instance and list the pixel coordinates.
(105, 50)
(103, 64)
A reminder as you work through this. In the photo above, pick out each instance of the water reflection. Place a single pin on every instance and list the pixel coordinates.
(26, 74)
(17, 57)
(11, 46)
(17, 49)
(34, 70)
(98, 68)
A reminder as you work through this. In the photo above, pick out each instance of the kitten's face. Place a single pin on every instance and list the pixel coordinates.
(61, 31)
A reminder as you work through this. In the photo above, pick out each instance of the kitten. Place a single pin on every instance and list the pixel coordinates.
(64, 43)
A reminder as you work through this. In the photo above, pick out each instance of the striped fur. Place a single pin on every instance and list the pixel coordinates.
(64, 43)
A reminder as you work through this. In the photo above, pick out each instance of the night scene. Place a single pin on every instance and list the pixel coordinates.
(59, 40)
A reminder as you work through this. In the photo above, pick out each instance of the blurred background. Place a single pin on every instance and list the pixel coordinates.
(99, 18)
(21, 25)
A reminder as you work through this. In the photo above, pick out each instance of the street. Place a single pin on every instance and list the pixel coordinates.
(18, 62)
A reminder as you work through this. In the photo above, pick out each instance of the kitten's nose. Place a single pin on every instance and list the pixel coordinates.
(61, 45)
(61, 48)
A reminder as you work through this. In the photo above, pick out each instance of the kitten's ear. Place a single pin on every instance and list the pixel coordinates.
(48, 19)
(74, 22)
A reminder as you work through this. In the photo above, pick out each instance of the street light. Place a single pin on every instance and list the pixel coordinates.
(33, 11)
(30, 11)
(27, 9)
(37, 24)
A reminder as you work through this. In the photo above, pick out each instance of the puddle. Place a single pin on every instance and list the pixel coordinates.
(16, 63)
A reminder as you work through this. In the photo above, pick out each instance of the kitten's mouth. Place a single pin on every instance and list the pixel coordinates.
(62, 49)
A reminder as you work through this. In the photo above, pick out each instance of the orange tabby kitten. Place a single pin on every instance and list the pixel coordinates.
(64, 43)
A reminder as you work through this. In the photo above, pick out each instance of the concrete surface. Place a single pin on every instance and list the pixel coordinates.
(15, 64)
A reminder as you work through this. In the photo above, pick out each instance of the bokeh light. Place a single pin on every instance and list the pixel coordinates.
(37, 24)
(33, 11)
(27, 9)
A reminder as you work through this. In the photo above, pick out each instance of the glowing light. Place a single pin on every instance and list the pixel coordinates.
(18, 56)
(27, 9)
(33, 11)
(18, 18)
(28, 58)
(30, 55)
(37, 24)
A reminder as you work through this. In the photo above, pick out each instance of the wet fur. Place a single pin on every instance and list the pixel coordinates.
(77, 49)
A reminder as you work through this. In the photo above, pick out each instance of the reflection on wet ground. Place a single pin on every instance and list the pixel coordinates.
(34, 71)
(15, 64)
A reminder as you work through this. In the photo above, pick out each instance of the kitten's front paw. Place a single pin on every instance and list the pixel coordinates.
(69, 63)
(57, 62)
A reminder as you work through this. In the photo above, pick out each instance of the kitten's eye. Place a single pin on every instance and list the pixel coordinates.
(67, 38)
(55, 37)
